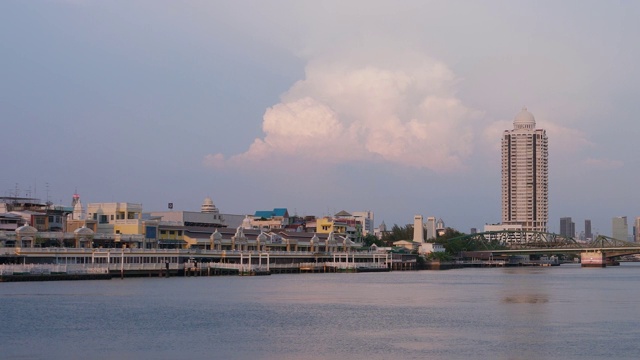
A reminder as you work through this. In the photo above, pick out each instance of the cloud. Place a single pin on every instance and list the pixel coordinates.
(400, 111)
(214, 160)
(563, 141)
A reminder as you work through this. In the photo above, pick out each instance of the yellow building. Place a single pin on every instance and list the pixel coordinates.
(117, 218)
(172, 236)
(327, 225)
(124, 221)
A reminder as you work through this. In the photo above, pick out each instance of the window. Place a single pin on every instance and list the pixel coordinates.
(104, 219)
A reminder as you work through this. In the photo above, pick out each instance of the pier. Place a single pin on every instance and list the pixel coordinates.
(26, 263)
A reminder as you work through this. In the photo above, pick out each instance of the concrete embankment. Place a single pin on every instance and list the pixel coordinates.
(53, 277)
(441, 265)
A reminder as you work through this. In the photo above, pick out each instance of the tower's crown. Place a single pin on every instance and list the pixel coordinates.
(524, 120)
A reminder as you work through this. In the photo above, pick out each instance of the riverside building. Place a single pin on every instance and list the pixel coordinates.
(525, 175)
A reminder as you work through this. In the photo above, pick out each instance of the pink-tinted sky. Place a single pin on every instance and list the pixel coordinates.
(391, 106)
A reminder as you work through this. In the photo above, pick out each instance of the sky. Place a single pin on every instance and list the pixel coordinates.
(396, 107)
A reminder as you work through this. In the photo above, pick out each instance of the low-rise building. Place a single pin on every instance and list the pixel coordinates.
(428, 248)
(406, 244)
(277, 218)
(122, 223)
(242, 239)
(10, 222)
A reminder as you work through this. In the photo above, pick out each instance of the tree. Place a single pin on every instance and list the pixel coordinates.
(370, 239)
(449, 233)
(441, 256)
(452, 244)
(398, 233)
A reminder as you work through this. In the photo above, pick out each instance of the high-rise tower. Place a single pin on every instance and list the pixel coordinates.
(418, 229)
(619, 228)
(587, 230)
(525, 175)
(567, 227)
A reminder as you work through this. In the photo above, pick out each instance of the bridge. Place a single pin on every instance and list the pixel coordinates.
(597, 252)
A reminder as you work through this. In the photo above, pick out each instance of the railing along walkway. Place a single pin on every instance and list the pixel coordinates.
(48, 269)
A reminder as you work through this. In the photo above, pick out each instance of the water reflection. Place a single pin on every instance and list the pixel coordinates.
(525, 296)
(526, 299)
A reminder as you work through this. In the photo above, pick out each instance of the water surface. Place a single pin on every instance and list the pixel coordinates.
(562, 312)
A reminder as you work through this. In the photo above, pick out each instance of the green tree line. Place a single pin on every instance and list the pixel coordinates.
(450, 239)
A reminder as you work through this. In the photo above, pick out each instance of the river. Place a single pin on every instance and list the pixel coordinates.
(564, 312)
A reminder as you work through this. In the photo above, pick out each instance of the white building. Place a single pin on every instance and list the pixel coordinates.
(114, 217)
(428, 248)
(207, 217)
(501, 227)
(418, 229)
(431, 227)
(514, 238)
(440, 227)
(525, 175)
(365, 219)
(619, 228)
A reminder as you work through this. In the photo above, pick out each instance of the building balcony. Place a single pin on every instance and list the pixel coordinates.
(127, 222)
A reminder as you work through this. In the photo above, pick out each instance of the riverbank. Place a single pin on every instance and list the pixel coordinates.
(53, 277)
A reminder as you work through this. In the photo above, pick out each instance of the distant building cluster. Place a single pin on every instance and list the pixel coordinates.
(525, 186)
(123, 224)
(524, 200)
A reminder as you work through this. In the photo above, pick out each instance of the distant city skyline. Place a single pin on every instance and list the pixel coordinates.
(392, 107)
(429, 223)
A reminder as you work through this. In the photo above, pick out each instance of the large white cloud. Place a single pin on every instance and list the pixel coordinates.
(402, 111)
(563, 140)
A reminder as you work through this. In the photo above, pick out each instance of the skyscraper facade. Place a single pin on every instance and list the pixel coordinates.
(587, 230)
(525, 174)
(567, 227)
(619, 228)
